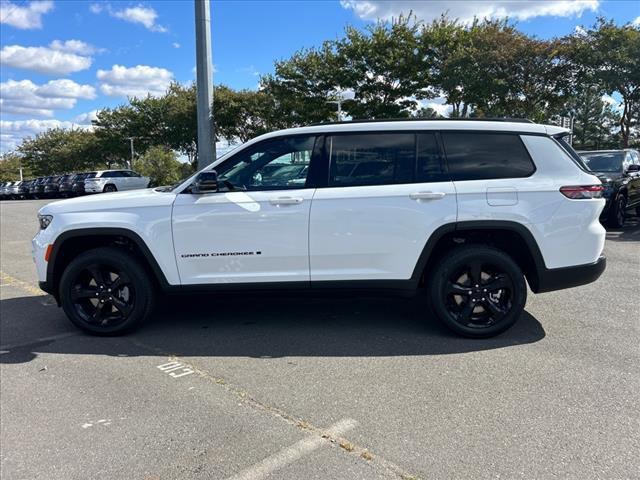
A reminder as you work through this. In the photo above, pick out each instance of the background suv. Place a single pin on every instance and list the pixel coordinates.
(463, 212)
(114, 180)
(619, 171)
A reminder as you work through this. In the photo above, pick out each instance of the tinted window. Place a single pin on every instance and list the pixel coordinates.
(429, 167)
(270, 165)
(371, 159)
(90, 175)
(604, 161)
(478, 156)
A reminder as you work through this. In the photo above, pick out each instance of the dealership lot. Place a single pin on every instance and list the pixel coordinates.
(252, 386)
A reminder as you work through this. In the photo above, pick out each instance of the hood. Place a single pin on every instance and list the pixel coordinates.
(110, 202)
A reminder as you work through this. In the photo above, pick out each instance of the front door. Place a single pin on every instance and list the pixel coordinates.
(255, 229)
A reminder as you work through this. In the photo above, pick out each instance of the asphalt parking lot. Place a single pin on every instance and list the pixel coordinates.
(304, 387)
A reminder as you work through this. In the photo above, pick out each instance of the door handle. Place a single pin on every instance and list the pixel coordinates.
(285, 201)
(427, 195)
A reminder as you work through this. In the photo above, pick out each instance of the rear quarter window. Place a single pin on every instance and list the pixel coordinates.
(483, 156)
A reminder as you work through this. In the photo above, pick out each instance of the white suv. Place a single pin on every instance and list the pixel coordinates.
(466, 212)
(113, 181)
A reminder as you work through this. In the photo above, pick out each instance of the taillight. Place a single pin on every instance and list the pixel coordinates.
(581, 192)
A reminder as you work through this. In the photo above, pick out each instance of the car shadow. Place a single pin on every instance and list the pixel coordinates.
(256, 326)
(629, 233)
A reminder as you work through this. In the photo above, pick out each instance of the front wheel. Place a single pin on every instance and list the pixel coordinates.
(106, 291)
(110, 188)
(478, 291)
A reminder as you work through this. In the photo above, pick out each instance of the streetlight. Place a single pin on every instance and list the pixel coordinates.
(204, 85)
(132, 152)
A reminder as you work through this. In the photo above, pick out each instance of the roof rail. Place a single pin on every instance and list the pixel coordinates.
(378, 120)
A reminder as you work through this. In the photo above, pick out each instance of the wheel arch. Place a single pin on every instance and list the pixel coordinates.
(513, 238)
(68, 244)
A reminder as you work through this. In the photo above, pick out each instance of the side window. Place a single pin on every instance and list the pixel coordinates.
(635, 157)
(270, 165)
(371, 159)
(430, 164)
(480, 156)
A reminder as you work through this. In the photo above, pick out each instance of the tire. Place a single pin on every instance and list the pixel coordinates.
(109, 188)
(127, 292)
(482, 311)
(618, 213)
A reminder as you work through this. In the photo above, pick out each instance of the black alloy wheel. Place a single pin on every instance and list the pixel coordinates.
(106, 291)
(102, 296)
(478, 291)
(110, 188)
(618, 214)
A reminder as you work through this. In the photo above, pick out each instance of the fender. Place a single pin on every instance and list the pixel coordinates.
(51, 282)
(515, 227)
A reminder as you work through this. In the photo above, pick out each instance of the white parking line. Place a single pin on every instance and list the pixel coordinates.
(35, 341)
(294, 452)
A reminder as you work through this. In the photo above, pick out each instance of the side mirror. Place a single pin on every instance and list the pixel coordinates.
(633, 168)
(205, 182)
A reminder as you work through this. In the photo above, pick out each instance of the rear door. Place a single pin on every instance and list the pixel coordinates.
(386, 193)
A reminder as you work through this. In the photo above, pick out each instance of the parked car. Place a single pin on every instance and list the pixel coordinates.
(460, 211)
(65, 187)
(50, 188)
(23, 190)
(619, 172)
(4, 187)
(114, 180)
(37, 189)
(78, 183)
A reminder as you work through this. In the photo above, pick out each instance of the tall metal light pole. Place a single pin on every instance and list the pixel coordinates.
(204, 85)
(132, 152)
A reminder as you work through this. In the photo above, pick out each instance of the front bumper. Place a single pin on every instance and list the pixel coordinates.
(551, 279)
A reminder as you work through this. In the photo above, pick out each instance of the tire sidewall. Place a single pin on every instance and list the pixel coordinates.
(457, 259)
(120, 261)
(619, 205)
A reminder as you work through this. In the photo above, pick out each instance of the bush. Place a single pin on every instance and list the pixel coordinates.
(160, 165)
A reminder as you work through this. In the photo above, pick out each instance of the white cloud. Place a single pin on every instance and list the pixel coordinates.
(636, 22)
(136, 81)
(25, 17)
(26, 98)
(176, 45)
(86, 118)
(465, 11)
(13, 132)
(73, 46)
(145, 16)
(48, 60)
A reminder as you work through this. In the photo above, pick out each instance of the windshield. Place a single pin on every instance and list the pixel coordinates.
(604, 161)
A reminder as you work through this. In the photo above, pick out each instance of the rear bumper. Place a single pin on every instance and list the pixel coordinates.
(568, 277)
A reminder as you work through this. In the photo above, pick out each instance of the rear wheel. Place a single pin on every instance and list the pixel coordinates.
(106, 292)
(478, 291)
(110, 188)
(618, 214)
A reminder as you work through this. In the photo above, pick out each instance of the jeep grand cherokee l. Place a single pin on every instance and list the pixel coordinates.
(466, 212)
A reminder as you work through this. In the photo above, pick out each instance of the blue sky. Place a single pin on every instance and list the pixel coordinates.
(62, 60)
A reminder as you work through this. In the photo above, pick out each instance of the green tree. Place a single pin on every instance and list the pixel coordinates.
(386, 68)
(594, 120)
(608, 56)
(160, 165)
(10, 164)
(60, 151)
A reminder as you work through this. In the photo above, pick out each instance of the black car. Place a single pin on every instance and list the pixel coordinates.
(36, 190)
(619, 172)
(78, 183)
(51, 186)
(65, 187)
(23, 189)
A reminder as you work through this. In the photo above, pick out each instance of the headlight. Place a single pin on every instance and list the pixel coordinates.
(45, 221)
